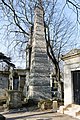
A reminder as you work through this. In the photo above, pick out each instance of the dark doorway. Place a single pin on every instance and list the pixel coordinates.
(15, 81)
(76, 86)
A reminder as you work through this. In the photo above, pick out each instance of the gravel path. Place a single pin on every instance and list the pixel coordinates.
(46, 115)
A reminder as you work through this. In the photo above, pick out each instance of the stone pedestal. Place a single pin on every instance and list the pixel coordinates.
(55, 105)
(14, 99)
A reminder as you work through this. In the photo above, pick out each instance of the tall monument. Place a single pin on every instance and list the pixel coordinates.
(39, 86)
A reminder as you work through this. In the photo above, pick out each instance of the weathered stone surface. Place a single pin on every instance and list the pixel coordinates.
(3, 85)
(45, 104)
(39, 82)
(14, 99)
(43, 62)
(39, 92)
(39, 87)
(2, 92)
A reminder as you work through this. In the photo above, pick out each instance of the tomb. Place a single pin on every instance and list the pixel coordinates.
(72, 77)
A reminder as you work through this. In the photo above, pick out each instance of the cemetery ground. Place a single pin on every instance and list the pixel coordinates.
(35, 115)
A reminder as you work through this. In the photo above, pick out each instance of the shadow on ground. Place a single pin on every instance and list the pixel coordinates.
(33, 115)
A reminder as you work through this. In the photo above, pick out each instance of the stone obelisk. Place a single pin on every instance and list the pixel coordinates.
(39, 86)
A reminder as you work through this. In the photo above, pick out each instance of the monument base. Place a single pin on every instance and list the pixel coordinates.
(38, 93)
(14, 99)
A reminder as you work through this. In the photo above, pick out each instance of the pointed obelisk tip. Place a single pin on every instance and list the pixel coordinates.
(39, 3)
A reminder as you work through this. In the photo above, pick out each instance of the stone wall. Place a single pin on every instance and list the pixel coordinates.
(14, 99)
(3, 85)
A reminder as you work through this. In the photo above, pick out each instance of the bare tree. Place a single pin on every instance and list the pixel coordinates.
(75, 6)
(18, 16)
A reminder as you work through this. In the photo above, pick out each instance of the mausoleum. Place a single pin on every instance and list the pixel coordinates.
(72, 77)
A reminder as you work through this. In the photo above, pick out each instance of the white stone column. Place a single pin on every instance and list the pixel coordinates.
(19, 83)
(68, 86)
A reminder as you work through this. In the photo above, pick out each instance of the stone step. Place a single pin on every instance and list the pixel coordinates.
(71, 109)
(1, 108)
(70, 113)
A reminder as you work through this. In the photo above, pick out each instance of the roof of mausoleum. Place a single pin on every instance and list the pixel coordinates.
(71, 54)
